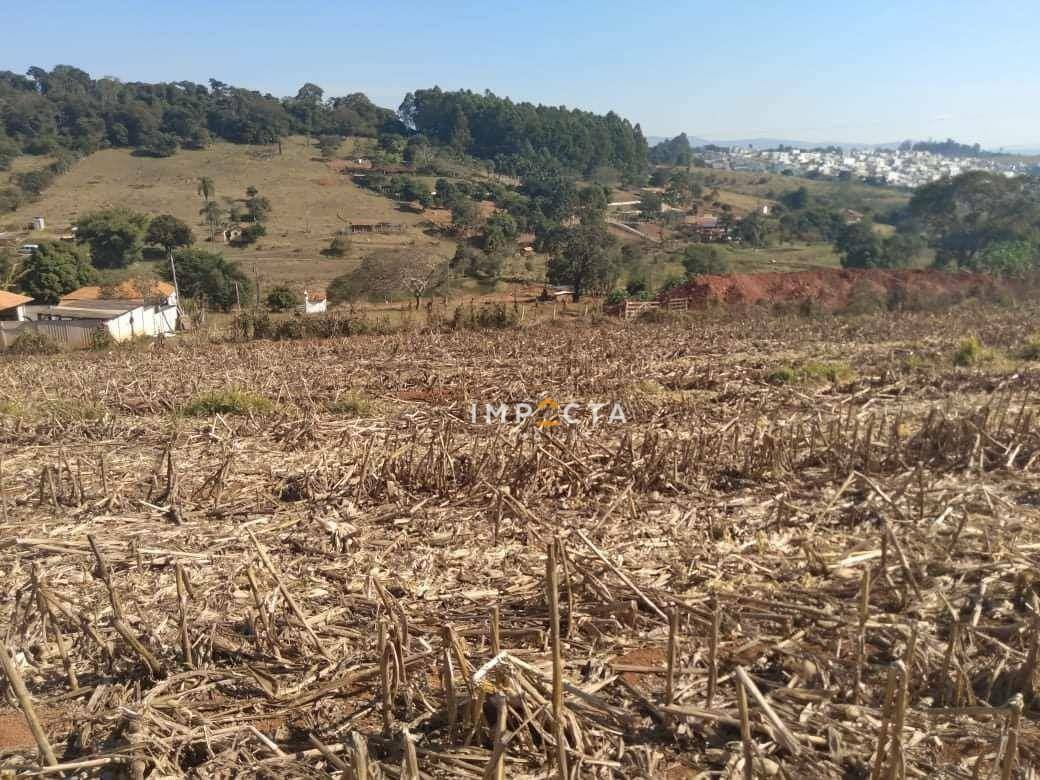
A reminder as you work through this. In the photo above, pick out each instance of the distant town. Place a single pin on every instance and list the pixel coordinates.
(899, 167)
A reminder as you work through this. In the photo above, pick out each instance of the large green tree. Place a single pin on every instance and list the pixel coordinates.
(585, 257)
(703, 259)
(861, 246)
(169, 232)
(210, 277)
(963, 215)
(115, 236)
(54, 269)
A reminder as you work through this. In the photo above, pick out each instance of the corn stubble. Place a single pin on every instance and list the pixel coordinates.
(744, 579)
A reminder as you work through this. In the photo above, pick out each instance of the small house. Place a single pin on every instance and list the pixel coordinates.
(314, 303)
(152, 292)
(12, 306)
(126, 310)
(39, 223)
(230, 235)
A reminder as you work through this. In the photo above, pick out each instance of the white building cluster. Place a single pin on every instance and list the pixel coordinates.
(883, 166)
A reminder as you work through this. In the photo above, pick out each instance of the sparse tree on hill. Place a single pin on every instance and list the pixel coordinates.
(169, 232)
(471, 262)
(257, 206)
(500, 231)
(338, 247)
(206, 188)
(329, 145)
(650, 204)
(465, 216)
(213, 215)
(393, 271)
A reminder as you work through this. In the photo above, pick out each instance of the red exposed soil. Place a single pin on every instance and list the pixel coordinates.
(642, 659)
(833, 288)
(14, 731)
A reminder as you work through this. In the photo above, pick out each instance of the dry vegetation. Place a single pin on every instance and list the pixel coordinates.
(302, 560)
(307, 197)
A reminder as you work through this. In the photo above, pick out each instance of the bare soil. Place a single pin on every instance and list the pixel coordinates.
(834, 288)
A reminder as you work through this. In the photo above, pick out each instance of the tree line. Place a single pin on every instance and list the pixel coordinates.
(523, 138)
(65, 108)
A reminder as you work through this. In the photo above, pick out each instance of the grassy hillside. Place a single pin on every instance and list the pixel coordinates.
(307, 199)
(841, 194)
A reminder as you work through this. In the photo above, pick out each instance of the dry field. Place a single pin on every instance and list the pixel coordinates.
(307, 198)
(810, 552)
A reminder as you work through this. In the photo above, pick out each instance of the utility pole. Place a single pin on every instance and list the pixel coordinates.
(256, 276)
(176, 289)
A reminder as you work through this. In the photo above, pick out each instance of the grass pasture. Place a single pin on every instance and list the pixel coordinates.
(307, 199)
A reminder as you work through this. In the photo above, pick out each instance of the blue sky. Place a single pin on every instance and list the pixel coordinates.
(851, 71)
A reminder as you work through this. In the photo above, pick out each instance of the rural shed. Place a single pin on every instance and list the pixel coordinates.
(153, 292)
(12, 306)
(314, 303)
(123, 319)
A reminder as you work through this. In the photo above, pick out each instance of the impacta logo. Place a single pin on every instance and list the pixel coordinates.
(548, 413)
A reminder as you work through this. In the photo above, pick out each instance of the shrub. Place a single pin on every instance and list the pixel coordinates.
(228, 402)
(30, 342)
(338, 247)
(782, 376)
(660, 316)
(101, 339)
(282, 298)
(671, 283)
(250, 233)
(497, 315)
(350, 405)
(969, 352)
(811, 371)
(71, 410)
(1031, 349)
(259, 325)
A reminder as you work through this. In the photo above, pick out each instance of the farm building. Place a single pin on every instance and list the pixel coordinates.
(230, 235)
(12, 306)
(314, 303)
(154, 292)
(71, 322)
(126, 310)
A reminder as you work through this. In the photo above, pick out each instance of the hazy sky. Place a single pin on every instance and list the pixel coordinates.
(876, 71)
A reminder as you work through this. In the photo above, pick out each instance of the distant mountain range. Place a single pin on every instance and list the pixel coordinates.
(772, 143)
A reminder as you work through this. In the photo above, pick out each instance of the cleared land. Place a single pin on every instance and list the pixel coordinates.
(283, 559)
(307, 198)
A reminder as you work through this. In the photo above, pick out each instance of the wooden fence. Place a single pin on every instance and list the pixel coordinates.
(630, 309)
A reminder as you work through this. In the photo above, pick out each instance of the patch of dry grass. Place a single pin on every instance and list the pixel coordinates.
(307, 199)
